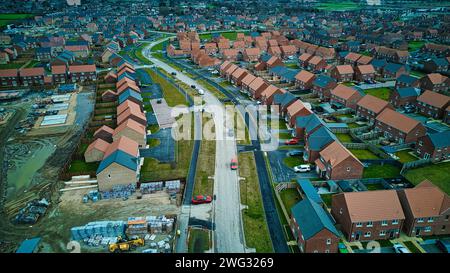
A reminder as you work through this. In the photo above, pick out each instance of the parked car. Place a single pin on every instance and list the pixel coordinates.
(302, 168)
(234, 164)
(173, 73)
(293, 141)
(193, 86)
(409, 108)
(399, 248)
(201, 92)
(294, 153)
(201, 199)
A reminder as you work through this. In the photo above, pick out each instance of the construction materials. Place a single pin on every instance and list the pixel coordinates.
(31, 213)
(100, 228)
(119, 191)
(79, 188)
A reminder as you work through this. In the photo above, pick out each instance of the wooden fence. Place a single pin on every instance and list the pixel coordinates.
(414, 164)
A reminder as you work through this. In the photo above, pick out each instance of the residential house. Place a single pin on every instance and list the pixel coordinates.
(369, 107)
(393, 71)
(316, 141)
(251, 54)
(342, 73)
(322, 86)
(312, 228)
(364, 72)
(432, 104)
(316, 64)
(268, 94)
(435, 146)
(346, 96)
(434, 65)
(368, 215)
(407, 81)
(82, 73)
(306, 125)
(257, 86)
(404, 96)
(296, 109)
(105, 133)
(399, 127)
(9, 77)
(426, 209)
(119, 168)
(133, 130)
(238, 75)
(96, 150)
(303, 59)
(304, 80)
(59, 73)
(435, 82)
(32, 76)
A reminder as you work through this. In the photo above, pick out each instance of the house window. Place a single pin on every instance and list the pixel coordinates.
(383, 232)
(447, 217)
(359, 224)
(430, 220)
(443, 228)
(327, 251)
(341, 211)
(348, 169)
(370, 224)
(420, 220)
(384, 223)
(367, 234)
(427, 229)
(328, 241)
(395, 222)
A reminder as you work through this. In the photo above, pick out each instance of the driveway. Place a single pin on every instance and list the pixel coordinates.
(280, 172)
(165, 151)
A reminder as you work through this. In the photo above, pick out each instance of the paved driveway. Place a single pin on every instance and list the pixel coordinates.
(165, 151)
(283, 173)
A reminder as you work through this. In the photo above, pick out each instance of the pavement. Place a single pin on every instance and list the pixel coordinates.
(228, 233)
(165, 151)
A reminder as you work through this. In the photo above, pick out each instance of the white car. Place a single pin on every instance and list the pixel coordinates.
(399, 248)
(302, 168)
(201, 92)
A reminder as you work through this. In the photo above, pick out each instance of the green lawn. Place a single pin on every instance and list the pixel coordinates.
(290, 197)
(436, 173)
(198, 241)
(378, 171)
(206, 159)
(344, 137)
(212, 89)
(353, 125)
(417, 74)
(415, 45)
(327, 199)
(81, 166)
(8, 18)
(405, 156)
(374, 187)
(381, 93)
(284, 135)
(153, 142)
(363, 154)
(11, 65)
(292, 161)
(411, 247)
(170, 93)
(255, 226)
(337, 6)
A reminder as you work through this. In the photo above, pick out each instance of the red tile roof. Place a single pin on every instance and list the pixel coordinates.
(124, 144)
(82, 68)
(397, 120)
(30, 72)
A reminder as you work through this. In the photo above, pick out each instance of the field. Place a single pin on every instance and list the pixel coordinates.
(363, 154)
(198, 241)
(8, 18)
(436, 173)
(253, 216)
(378, 171)
(290, 197)
(170, 93)
(381, 93)
(337, 6)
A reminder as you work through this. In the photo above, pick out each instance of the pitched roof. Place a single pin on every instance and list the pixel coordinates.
(257, 83)
(343, 91)
(309, 190)
(304, 76)
(98, 144)
(408, 92)
(248, 79)
(440, 139)
(124, 144)
(426, 200)
(345, 69)
(105, 129)
(30, 72)
(130, 124)
(335, 153)
(436, 78)
(397, 120)
(372, 103)
(59, 69)
(366, 69)
(120, 157)
(323, 81)
(365, 206)
(312, 218)
(82, 68)
(8, 72)
(320, 138)
(434, 99)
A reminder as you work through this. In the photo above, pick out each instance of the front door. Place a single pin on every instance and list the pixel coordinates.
(417, 231)
(357, 236)
(391, 234)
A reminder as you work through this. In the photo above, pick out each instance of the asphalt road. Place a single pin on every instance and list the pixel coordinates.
(228, 234)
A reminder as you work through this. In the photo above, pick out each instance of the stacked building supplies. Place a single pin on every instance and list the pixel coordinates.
(152, 187)
(137, 226)
(160, 224)
(99, 228)
(119, 191)
(173, 186)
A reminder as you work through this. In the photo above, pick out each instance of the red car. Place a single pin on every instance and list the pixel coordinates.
(201, 199)
(293, 141)
(234, 164)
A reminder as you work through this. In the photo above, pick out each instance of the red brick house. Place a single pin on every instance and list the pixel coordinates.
(304, 80)
(337, 163)
(230, 70)
(9, 77)
(296, 109)
(223, 68)
(211, 48)
(434, 146)
(364, 72)
(238, 75)
(432, 104)
(368, 215)
(246, 81)
(257, 87)
(303, 59)
(427, 210)
(105, 133)
(32, 76)
(435, 82)
(346, 96)
(59, 73)
(275, 51)
(369, 107)
(268, 94)
(274, 61)
(399, 127)
(82, 73)
(251, 54)
(230, 54)
(288, 51)
(312, 228)
(316, 63)
(322, 86)
(342, 73)
(404, 96)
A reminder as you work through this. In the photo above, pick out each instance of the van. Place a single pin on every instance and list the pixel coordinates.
(302, 168)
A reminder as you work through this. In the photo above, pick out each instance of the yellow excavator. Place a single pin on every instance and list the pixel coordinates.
(125, 245)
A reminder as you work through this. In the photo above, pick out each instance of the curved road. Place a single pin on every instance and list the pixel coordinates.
(228, 233)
